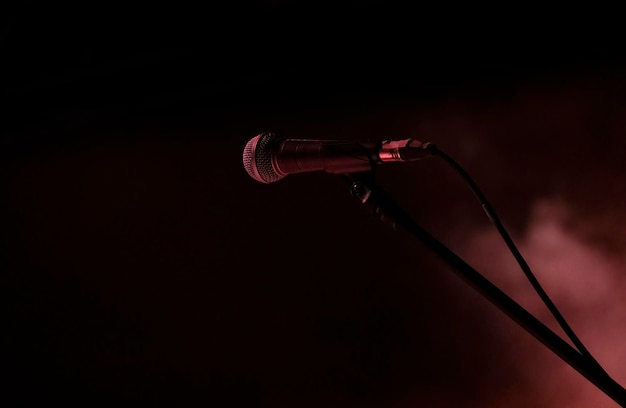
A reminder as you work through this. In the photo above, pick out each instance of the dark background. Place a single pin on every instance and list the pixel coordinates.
(143, 265)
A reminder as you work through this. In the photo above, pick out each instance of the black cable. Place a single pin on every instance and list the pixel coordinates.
(493, 217)
(387, 210)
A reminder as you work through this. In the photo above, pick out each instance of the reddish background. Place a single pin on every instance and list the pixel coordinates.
(143, 265)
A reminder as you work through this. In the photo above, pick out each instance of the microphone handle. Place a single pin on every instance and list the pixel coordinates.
(333, 156)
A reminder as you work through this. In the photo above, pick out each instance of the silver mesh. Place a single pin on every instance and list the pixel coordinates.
(257, 157)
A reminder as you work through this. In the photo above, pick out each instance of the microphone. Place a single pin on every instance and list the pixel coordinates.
(268, 157)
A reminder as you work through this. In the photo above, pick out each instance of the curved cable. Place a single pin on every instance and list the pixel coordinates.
(493, 217)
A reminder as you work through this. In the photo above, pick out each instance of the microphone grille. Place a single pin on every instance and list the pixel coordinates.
(257, 157)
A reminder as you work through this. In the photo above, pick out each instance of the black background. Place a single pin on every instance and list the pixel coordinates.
(142, 264)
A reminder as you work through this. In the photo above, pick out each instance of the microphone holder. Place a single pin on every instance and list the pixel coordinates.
(363, 188)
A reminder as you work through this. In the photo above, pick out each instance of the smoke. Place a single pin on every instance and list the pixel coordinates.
(562, 149)
(585, 282)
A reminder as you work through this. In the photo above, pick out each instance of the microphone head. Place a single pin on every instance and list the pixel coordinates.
(257, 157)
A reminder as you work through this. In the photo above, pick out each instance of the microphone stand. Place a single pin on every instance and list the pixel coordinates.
(363, 188)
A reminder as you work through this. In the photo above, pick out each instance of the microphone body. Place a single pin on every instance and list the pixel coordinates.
(268, 157)
(333, 156)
